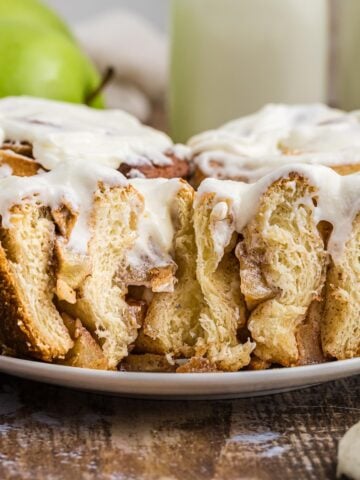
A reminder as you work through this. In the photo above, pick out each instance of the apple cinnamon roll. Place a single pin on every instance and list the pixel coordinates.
(44, 133)
(248, 148)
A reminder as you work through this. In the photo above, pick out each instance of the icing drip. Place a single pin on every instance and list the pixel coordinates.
(5, 171)
(75, 184)
(338, 201)
(181, 151)
(71, 184)
(65, 132)
(156, 224)
(154, 243)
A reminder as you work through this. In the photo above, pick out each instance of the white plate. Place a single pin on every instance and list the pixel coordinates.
(185, 385)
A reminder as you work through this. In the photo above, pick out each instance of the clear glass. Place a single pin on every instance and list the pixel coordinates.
(230, 57)
(345, 58)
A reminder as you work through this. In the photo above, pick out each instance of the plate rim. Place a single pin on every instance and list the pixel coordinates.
(18, 364)
(182, 386)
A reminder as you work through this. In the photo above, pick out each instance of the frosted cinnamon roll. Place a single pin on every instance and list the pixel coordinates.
(250, 147)
(295, 234)
(47, 132)
(84, 253)
(95, 267)
(60, 246)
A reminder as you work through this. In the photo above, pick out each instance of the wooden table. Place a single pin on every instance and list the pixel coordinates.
(53, 433)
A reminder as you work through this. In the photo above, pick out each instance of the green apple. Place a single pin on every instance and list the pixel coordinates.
(32, 12)
(42, 62)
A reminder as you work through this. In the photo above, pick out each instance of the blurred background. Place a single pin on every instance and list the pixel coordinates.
(183, 65)
(156, 11)
(132, 37)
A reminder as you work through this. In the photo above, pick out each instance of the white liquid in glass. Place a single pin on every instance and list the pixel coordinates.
(346, 54)
(230, 57)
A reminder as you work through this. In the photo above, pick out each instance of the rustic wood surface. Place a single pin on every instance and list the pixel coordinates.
(54, 433)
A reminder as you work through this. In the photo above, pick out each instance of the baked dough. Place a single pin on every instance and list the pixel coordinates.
(282, 268)
(171, 326)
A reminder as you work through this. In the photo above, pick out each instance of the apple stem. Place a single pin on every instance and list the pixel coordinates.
(107, 76)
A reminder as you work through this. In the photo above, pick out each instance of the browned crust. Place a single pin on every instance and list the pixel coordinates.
(177, 168)
(138, 309)
(257, 364)
(86, 352)
(197, 177)
(22, 148)
(197, 365)
(24, 164)
(253, 283)
(65, 219)
(147, 362)
(308, 335)
(346, 169)
(14, 318)
(20, 165)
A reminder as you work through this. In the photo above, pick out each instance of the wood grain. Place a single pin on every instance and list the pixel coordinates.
(54, 433)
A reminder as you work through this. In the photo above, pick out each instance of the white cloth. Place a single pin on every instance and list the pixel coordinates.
(137, 51)
(349, 453)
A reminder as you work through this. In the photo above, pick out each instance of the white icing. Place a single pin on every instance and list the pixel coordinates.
(135, 173)
(181, 151)
(220, 230)
(348, 453)
(159, 195)
(250, 147)
(5, 171)
(219, 212)
(75, 185)
(66, 132)
(154, 243)
(2, 135)
(338, 202)
(106, 149)
(71, 184)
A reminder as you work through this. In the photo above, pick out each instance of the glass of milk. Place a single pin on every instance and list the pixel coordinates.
(230, 57)
(345, 58)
